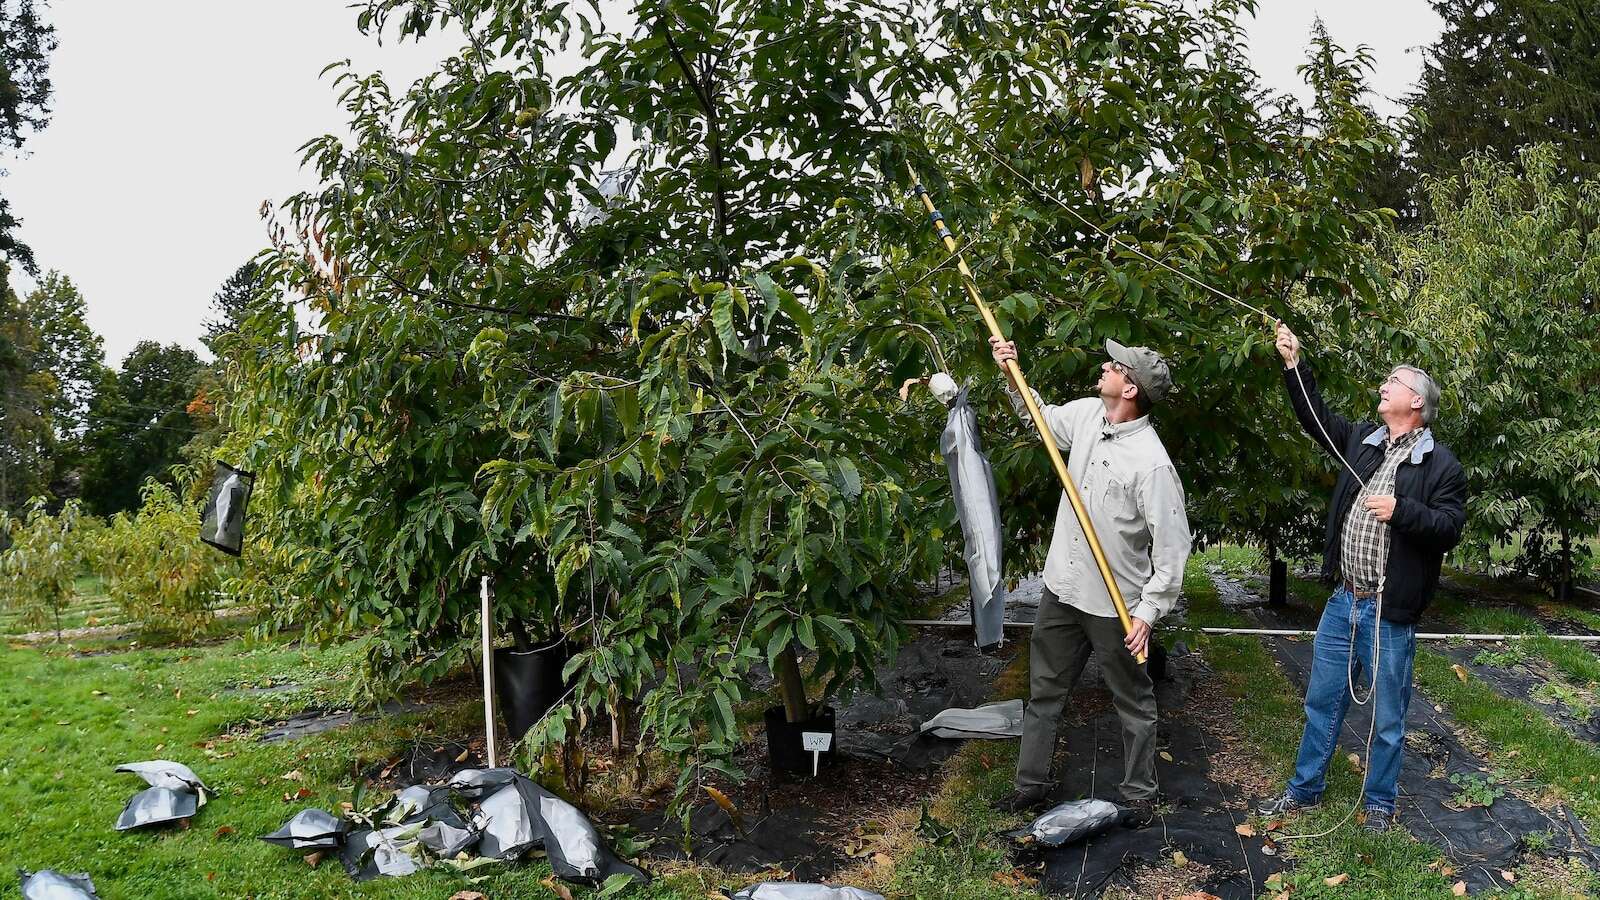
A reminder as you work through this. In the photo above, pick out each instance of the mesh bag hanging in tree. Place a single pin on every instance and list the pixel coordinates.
(222, 521)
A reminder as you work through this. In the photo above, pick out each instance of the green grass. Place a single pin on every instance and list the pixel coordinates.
(66, 721)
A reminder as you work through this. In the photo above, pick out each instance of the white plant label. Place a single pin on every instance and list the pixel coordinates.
(818, 743)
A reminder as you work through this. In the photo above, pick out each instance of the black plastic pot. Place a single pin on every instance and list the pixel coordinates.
(527, 683)
(786, 752)
(1156, 661)
(1278, 583)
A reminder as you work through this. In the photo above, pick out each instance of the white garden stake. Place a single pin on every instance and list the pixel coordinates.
(488, 675)
(818, 743)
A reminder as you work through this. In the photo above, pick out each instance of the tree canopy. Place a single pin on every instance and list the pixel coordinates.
(627, 340)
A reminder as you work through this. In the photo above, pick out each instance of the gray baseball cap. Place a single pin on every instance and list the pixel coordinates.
(1148, 368)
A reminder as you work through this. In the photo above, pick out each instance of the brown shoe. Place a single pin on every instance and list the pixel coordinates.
(1025, 799)
(1139, 813)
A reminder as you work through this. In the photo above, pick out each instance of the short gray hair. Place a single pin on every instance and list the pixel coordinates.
(1429, 392)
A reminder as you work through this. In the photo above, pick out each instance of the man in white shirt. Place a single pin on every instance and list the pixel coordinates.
(1135, 501)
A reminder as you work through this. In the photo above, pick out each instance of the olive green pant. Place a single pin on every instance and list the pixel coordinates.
(1063, 638)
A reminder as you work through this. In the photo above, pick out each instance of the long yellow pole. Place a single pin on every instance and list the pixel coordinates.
(1015, 371)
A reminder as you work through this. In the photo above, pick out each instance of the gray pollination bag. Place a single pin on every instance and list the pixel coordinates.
(571, 842)
(310, 829)
(992, 721)
(972, 486)
(52, 885)
(175, 793)
(795, 890)
(1072, 821)
(222, 520)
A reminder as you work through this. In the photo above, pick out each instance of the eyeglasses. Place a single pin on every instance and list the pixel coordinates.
(1394, 378)
(1121, 369)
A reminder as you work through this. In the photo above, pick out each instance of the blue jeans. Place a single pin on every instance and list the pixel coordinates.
(1328, 698)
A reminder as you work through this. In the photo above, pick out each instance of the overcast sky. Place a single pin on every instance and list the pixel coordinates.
(174, 119)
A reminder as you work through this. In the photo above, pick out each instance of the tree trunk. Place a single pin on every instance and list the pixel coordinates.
(792, 686)
(1564, 586)
(1277, 577)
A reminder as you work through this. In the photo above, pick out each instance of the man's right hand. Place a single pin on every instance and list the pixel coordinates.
(1288, 346)
(1003, 350)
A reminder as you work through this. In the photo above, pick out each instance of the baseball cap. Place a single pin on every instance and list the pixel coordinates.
(1148, 369)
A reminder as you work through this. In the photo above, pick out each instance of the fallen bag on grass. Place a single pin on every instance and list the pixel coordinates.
(153, 806)
(175, 793)
(506, 821)
(475, 784)
(795, 890)
(991, 721)
(309, 829)
(394, 852)
(421, 803)
(571, 842)
(163, 773)
(447, 841)
(48, 884)
(1071, 821)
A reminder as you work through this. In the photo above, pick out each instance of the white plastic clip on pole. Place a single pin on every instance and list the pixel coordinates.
(488, 675)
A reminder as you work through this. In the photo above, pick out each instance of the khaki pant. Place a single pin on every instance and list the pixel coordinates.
(1063, 638)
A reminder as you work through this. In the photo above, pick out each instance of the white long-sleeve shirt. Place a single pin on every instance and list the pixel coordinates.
(1135, 501)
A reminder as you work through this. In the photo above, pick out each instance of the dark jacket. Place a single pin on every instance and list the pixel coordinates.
(1430, 506)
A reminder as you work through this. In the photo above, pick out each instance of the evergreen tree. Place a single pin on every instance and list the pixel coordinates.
(26, 43)
(138, 423)
(1506, 74)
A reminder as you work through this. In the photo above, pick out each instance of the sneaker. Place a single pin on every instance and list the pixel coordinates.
(1282, 806)
(1377, 821)
(1025, 799)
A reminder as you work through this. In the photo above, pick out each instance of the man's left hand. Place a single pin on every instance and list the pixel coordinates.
(1138, 639)
(1382, 507)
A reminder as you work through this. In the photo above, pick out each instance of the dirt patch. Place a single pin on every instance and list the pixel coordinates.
(884, 768)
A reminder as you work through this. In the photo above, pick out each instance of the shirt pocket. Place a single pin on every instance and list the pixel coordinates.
(1121, 499)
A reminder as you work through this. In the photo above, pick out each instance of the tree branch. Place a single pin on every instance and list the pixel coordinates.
(702, 86)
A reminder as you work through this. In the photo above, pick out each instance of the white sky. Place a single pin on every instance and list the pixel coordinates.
(174, 119)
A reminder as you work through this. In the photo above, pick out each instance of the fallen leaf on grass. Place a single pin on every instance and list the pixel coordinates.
(1460, 671)
(1245, 830)
(1355, 761)
(1459, 889)
(224, 831)
(1014, 878)
(1508, 875)
(1166, 756)
(1336, 880)
(294, 775)
(461, 759)
(314, 859)
(557, 888)
(1199, 895)
(1178, 859)
(882, 859)
(468, 895)
(1282, 896)
(1275, 880)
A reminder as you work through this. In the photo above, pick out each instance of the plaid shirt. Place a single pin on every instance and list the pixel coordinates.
(1365, 540)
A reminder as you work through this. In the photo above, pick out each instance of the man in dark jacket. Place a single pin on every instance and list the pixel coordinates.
(1388, 532)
